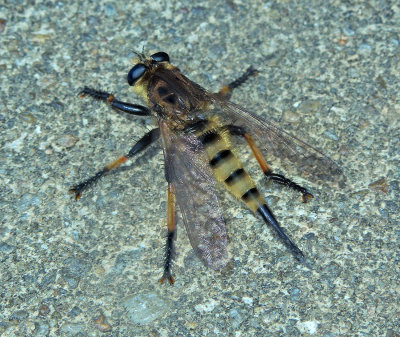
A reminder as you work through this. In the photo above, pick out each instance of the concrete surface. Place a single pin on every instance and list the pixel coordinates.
(329, 73)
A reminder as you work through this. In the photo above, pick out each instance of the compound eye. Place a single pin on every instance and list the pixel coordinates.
(160, 57)
(135, 73)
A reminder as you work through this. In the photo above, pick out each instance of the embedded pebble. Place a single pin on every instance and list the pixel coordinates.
(309, 327)
(72, 329)
(67, 141)
(145, 308)
(206, 307)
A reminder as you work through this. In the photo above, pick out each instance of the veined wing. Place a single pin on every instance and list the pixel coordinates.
(280, 144)
(194, 185)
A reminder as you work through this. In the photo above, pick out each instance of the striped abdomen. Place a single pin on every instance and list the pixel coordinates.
(228, 169)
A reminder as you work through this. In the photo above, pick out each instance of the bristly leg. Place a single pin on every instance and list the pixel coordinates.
(227, 90)
(276, 178)
(169, 247)
(280, 179)
(141, 145)
(169, 255)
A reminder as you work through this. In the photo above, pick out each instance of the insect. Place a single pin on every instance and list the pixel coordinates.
(196, 128)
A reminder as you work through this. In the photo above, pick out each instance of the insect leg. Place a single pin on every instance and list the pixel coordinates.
(169, 247)
(277, 178)
(142, 144)
(226, 91)
(133, 109)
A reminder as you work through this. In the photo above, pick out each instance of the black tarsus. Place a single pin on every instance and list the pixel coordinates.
(169, 256)
(141, 145)
(282, 180)
(227, 90)
(243, 78)
(133, 109)
(78, 189)
(235, 130)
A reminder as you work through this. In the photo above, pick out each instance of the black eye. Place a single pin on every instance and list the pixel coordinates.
(160, 57)
(135, 73)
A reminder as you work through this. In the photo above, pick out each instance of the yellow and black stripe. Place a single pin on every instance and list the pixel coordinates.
(228, 170)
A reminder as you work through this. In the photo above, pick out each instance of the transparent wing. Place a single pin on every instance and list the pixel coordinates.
(280, 145)
(194, 185)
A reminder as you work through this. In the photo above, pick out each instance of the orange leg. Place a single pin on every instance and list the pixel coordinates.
(169, 252)
(142, 144)
(257, 153)
(77, 189)
(277, 178)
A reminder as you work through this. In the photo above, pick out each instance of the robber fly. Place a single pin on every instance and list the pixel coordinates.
(196, 127)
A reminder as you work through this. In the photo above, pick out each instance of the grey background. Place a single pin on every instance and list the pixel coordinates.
(328, 73)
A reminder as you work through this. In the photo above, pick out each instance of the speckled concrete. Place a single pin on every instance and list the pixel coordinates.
(328, 73)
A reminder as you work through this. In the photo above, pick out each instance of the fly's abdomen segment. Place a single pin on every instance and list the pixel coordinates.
(227, 168)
